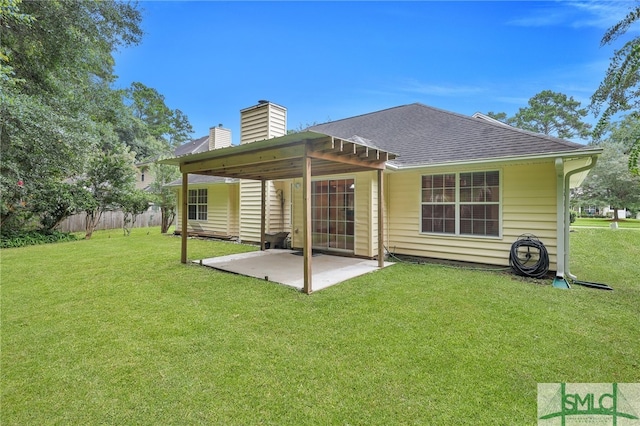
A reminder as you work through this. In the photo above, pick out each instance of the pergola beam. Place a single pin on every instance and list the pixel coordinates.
(263, 156)
(354, 161)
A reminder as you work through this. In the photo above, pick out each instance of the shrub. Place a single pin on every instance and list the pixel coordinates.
(572, 217)
(28, 238)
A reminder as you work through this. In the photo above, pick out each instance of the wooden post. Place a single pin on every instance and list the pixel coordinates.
(380, 218)
(306, 213)
(263, 213)
(185, 216)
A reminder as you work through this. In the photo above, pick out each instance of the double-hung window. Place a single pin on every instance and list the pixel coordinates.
(197, 204)
(461, 203)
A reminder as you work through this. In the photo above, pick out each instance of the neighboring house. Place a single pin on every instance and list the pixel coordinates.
(454, 187)
(603, 211)
(218, 137)
(144, 177)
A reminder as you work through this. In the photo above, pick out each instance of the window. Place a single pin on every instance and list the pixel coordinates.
(461, 203)
(439, 203)
(197, 204)
(332, 214)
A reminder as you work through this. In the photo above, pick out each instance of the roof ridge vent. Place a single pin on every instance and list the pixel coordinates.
(359, 140)
(485, 117)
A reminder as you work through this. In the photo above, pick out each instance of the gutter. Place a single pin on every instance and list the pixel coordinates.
(564, 221)
(564, 154)
(567, 220)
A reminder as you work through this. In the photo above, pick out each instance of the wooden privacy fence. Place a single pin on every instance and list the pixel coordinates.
(111, 220)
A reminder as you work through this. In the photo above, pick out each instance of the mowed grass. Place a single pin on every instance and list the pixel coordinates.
(116, 331)
(606, 223)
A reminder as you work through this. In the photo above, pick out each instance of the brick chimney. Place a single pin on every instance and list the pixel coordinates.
(219, 137)
(265, 120)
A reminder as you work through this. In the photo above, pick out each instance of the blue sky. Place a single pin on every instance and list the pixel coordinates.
(330, 60)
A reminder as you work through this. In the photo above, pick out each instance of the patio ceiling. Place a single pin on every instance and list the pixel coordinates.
(283, 158)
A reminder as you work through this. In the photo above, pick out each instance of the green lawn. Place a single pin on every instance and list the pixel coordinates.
(606, 223)
(116, 331)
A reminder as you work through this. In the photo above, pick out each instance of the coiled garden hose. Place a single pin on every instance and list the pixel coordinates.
(532, 262)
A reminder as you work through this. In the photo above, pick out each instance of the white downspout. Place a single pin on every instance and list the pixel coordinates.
(567, 219)
(560, 219)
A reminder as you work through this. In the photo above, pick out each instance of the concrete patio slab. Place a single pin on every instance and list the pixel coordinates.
(286, 267)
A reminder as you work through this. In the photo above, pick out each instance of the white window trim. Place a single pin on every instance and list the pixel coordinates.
(457, 234)
(355, 202)
(198, 204)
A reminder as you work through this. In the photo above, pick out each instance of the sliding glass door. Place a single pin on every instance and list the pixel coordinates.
(332, 215)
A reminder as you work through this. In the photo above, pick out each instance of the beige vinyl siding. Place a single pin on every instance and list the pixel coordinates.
(149, 178)
(279, 211)
(250, 209)
(253, 126)
(234, 209)
(297, 231)
(288, 204)
(366, 214)
(261, 122)
(528, 206)
(220, 210)
(274, 218)
(219, 137)
(277, 122)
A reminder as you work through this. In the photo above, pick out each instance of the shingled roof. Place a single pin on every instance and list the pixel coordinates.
(193, 147)
(423, 135)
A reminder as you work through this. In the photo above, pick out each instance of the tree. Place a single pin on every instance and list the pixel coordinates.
(625, 131)
(164, 196)
(302, 127)
(110, 177)
(11, 16)
(157, 129)
(610, 182)
(57, 108)
(148, 106)
(620, 89)
(57, 201)
(180, 129)
(166, 129)
(40, 148)
(500, 116)
(133, 203)
(56, 105)
(554, 114)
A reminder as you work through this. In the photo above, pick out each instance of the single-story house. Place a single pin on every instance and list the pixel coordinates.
(410, 180)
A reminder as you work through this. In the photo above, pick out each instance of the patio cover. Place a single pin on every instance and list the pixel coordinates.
(303, 154)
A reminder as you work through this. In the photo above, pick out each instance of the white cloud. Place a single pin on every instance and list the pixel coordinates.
(414, 86)
(513, 100)
(601, 14)
(578, 14)
(541, 18)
